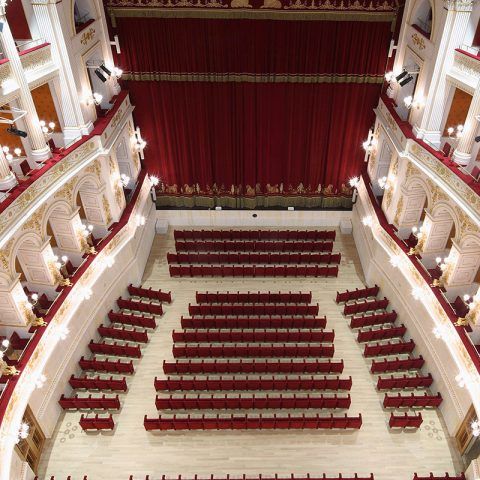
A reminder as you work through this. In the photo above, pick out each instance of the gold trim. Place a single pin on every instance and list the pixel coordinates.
(249, 78)
(240, 13)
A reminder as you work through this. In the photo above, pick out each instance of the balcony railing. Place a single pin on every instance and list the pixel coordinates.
(425, 275)
(445, 160)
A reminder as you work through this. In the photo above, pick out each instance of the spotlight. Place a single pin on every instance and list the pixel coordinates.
(401, 75)
(406, 80)
(100, 75)
(477, 139)
(105, 69)
(15, 131)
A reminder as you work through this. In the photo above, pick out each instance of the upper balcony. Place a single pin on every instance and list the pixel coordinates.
(459, 183)
(37, 62)
(465, 71)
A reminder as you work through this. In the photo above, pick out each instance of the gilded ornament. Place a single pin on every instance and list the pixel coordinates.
(95, 168)
(418, 41)
(396, 220)
(108, 213)
(35, 220)
(87, 36)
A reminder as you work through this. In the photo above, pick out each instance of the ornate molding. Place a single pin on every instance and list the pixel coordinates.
(36, 58)
(250, 78)
(459, 5)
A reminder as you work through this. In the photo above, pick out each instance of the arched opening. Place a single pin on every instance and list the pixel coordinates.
(422, 18)
(82, 14)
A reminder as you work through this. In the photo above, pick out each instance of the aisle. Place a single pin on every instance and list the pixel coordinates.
(131, 450)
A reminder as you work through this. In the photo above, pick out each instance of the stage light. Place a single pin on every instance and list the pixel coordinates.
(100, 75)
(15, 131)
(406, 80)
(106, 70)
(401, 75)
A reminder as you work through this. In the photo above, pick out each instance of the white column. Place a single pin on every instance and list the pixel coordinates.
(7, 178)
(40, 151)
(463, 152)
(50, 28)
(458, 14)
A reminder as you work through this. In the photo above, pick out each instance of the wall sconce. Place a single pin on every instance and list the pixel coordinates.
(139, 143)
(124, 180)
(62, 332)
(140, 220)
(417, 293)
(93, 99)
(23, 432)
(475, 426)
(460, 379)
(367, 220)
(455, 133)
(411, 102)
(17, 151)
(4, 368)
(354, 182)
(154, 180)
(117, 72)
(396, 261)
(421, 235)
(60, 266)
(86, 293)
(386, 183)
(47, 129)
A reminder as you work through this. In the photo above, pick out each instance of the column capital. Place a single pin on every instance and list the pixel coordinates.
(459, 5)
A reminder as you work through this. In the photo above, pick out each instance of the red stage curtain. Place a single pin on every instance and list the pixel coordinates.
(253, 46)
(244, 133)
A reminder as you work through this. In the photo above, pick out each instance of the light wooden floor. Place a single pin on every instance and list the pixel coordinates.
(132, 450)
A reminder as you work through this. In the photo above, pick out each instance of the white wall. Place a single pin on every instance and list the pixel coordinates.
(245, 218)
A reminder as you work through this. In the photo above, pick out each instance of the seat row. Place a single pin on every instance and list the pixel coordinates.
(255, 322)
(275, 477)
(252, 271)
(98, 383)
(260, 384)
(259, 258)
(253, 336)
(405, 421)
(373, 319)
(389, 348)
(251, 351)
(272, 247)
(252, 402)
(135, 305)
(110, 366)
(123, 334)
(357, 294)
(247, 422)
(95, 403)
(365, 306)
(150, 293)
(397, 364)
(130, 319)
(405, 381)
(412, 400)
(115, 349)
(441, 477)
(253, 309)
(252, 366)
(381, 333)
(253, 297)
(254, 234)
(97, 422)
